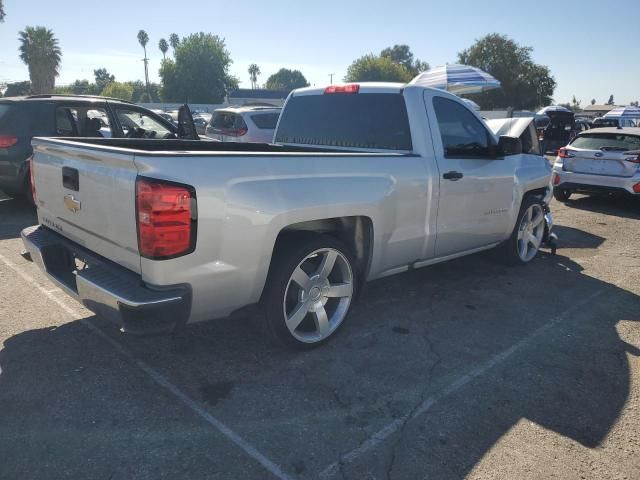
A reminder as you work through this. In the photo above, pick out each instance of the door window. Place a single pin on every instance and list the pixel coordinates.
(463, 135)
(136, 124)
(66, 122)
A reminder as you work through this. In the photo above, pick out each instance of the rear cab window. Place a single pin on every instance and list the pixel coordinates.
(362, 120)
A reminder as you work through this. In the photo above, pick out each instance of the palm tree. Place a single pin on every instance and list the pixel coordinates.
(40, 51)
(164, 47)
(254, 71)
(174, 41)
(143, 39)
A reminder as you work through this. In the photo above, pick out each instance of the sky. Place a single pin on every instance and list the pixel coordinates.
(591, 46)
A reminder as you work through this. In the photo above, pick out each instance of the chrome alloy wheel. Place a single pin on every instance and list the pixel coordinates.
(318, 295)
(530, 232)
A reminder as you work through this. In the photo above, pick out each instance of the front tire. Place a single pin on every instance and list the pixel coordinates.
(310, 290)
(525, 240)
(561, 194)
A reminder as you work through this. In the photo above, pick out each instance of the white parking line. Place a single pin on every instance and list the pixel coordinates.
(157, 377)
(381, 435)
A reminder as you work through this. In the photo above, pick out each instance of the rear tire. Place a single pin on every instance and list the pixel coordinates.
(311, 287)
(561, 194)
(527, 236)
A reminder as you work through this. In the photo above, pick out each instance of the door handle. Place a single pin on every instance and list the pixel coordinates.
(452, 176)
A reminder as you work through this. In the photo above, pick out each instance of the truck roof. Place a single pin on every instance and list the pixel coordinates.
(365, 87)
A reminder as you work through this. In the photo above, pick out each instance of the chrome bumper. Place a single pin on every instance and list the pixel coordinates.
(106, 288)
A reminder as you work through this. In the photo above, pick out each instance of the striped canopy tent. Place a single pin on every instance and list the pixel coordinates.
(457, 79)
(623, 112)
(553, 108)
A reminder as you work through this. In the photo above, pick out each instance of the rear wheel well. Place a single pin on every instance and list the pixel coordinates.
(354, 231)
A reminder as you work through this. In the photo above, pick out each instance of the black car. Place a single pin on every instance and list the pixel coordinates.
(555, 129)
(22, 118)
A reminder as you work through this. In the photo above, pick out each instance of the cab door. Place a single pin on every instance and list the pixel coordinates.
(476, 186)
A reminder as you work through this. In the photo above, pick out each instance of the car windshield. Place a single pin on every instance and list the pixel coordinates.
(265, 121)
(607, 141)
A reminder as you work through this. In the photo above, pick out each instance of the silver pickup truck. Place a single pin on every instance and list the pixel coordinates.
(363, 181)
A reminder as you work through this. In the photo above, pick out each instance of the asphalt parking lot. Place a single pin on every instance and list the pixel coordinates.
(464, 369)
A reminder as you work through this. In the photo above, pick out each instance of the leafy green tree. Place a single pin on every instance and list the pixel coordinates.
(576, 105)
(40, 51)
(373, 68)
(174, 41)
(593, 101)
(402, 54)
(199, 73)
(2, 14)
(254, 71)
(103, 78)
(525, 84)
(123, 91)
(634, 104)
(611, 101)
(18, 89)
(285, 79)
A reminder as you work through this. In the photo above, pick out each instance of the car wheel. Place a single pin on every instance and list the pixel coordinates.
(525, 240)
(310, 290)
(561, 194)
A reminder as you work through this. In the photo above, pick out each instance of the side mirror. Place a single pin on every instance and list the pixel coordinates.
(186, 128)
(509, 146)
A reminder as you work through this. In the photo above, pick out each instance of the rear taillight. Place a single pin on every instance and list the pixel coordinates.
(636, 188)
(7, 141)
(236, 133)
(32, 181)
(349, 88)
(556, 179)
(166, 216)
(633, 157)
(564, 153)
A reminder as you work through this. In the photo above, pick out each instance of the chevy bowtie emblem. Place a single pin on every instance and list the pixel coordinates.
(71, 203)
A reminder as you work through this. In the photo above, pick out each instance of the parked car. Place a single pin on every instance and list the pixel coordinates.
(557, 131)
(22, 118)
(364, 181)
(200, 123)
(606, 122)
(602, 160)
(243, 124)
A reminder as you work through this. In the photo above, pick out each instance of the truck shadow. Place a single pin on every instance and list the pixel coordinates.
(410, 337)
(16, 214)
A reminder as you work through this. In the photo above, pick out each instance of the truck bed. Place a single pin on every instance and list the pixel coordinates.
(183, 146)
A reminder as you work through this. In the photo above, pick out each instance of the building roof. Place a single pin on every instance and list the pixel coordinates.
(599, 108)
(258, 93)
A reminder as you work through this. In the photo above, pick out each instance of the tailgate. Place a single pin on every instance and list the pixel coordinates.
(599, 162)
(87, 194)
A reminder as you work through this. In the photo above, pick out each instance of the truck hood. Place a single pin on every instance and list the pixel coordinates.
(510, 127)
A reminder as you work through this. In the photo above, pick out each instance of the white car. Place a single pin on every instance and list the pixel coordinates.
(602, 160)
(243, 124)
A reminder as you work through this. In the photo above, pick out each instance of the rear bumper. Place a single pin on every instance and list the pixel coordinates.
(106, 288)
(582, 182)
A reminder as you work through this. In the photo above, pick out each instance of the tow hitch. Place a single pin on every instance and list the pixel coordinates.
(550, 239)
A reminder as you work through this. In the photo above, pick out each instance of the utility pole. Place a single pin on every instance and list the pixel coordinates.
(331, 78)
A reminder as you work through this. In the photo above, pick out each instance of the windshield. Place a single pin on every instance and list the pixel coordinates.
(370, 120)
(607, 141)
